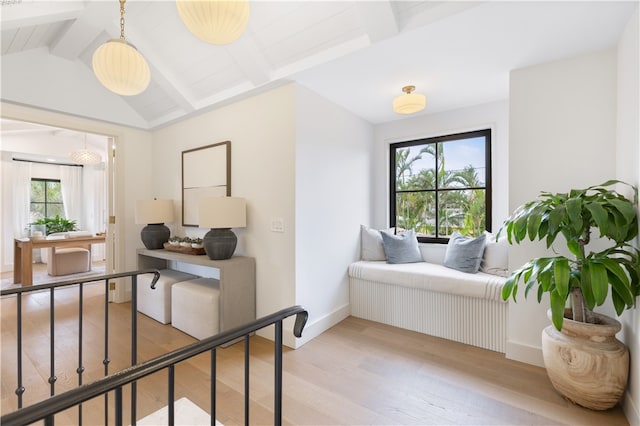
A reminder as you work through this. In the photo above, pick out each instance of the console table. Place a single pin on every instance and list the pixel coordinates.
(237, 282)
(23, 253)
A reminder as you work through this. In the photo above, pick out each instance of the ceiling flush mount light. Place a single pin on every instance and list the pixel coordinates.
(409, 102)
(119, 66)
(214, 21)
(85, 156)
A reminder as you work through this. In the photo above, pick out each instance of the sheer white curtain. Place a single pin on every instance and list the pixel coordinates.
(71, 187)
(95, 205)
(21, 197)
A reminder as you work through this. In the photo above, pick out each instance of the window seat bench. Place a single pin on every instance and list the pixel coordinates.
(430, 298)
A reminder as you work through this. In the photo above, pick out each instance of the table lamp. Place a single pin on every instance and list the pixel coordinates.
(154, 213)
(220, 214)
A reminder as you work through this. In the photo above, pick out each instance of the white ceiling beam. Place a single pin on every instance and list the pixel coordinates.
(378, 19)
(438, 11)
(252, 61)
(82, 31)
(39, 13)
(161, 72)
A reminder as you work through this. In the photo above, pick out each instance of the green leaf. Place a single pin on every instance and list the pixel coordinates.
(543, 229)
(557, 303)
(599, 282)
(508, 287)
(621, 290)
(618, 303)
(533, 223)
(561, 272)
(574, 208)
(625, 207)
(614, 268)
(599, 215)
(555, 218)
(585, 285)
(574, 248)
(540, 293)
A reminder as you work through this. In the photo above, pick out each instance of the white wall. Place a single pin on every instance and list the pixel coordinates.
(262, 134)
(493, 115)
(333, 197)
(562, 135)
(628, 170)
(295, 157)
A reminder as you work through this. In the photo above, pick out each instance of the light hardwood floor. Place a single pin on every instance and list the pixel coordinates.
(359, 372)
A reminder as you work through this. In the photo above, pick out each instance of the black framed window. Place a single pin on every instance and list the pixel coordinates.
(441, 185)
(46, 198)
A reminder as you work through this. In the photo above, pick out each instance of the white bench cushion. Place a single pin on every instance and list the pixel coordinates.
(430, 276)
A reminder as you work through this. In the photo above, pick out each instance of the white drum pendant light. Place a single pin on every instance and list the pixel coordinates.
(409, 102)
(119, 66)
(214, 21)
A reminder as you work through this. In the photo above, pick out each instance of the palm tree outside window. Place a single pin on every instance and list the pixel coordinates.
(442, 185)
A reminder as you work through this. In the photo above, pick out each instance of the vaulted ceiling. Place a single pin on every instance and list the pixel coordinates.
(356, 53)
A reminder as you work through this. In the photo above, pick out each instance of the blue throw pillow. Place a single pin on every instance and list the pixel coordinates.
(464, 254)
(401, 248)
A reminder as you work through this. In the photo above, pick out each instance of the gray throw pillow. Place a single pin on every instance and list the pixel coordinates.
(464, 254)
(401, 248)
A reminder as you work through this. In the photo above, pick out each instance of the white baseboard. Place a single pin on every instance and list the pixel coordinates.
(524, 353)
(311, 330)
(631, 410)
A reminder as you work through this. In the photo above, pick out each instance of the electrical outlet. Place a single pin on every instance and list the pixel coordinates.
(277, 225)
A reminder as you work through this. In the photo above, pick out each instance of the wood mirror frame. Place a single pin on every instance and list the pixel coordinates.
(206, 172)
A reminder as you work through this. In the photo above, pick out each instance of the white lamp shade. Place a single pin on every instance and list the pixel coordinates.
(222, 212)
(121, 68)
(154, 211)
(409, 103)
(84, 156)
(214, 21)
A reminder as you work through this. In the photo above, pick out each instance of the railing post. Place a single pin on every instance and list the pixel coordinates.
(171, 394)
(213, 386)
(277, 388)
(106, 359)
(52, 340)
(246, 380)
(20, 389)
(119, 414)
(134, 342)
(80, 368)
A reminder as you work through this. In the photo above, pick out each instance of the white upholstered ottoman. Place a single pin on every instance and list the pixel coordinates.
(156, 303)
(195, 307)
(65, 261)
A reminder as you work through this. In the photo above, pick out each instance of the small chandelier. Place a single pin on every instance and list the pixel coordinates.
(214, 21)
(409, 102)
(85, 156)
(119, 66)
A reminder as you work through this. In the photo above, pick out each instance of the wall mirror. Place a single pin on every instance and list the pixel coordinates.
(206, 172)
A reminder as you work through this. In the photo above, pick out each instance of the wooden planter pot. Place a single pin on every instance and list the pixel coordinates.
(585, 362)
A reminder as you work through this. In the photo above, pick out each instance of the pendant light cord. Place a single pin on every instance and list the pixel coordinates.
(122, 2)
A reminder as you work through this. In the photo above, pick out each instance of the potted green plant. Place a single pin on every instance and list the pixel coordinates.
(57, 224)
(584, 278)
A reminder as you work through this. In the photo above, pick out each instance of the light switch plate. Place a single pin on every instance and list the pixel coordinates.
(277, 225)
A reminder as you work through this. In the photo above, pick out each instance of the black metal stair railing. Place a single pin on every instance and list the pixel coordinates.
(46, 410)
(56, 403)
(19, 293)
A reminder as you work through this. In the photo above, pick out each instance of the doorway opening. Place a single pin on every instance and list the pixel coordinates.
(42, 180)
